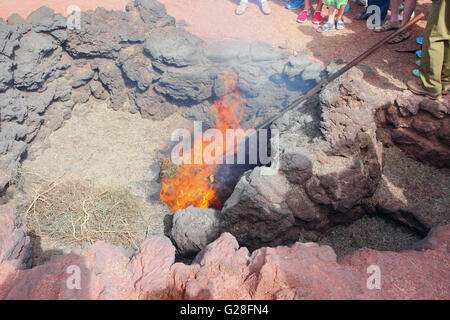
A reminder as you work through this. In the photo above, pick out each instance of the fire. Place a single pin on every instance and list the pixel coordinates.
(193, 184)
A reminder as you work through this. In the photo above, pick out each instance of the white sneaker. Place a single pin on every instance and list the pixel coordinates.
(240, 10)
(265, 8)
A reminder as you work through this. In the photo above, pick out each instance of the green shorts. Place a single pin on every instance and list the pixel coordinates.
(335, 3)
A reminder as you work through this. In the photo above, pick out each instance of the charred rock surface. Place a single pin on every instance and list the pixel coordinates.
(419, 126)
(332, 172)
(138, 61)
(193, 229)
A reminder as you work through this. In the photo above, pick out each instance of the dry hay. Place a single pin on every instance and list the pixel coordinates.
(77, 214)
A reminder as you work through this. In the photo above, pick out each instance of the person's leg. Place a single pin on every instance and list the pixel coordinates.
(331, 14)
(319, 6)
(243, 5)
(393, 23)
(435, 41)
(384, 7)
(303, 16)
(395, 10)
(307, 5)
(317, 18)
(340, 24)
(331, 17)
(446, 67)
(341, 11)
(410, 6)
(265, 8)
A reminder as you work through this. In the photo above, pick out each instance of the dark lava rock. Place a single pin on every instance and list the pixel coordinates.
(191, 84)
(111, 77)
(194, 228)
(173, 46)
(152, 105)
(102, 34)
(153, 13)
(257, 212)
(81, 76)
(14, 242)
(6, 73)
(44, 19)
(137, 67)
(97, 90)
(296, 164)
(10, 36)
(38, 59)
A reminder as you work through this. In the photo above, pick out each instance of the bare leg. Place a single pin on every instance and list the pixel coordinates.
(319, 5)
(331, 14)
(341, 11)
(395, 10)
(410, 5)
(307, 5)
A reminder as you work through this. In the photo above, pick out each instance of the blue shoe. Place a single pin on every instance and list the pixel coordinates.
(416, 73)
(347, 8)
(418, 63)
(294, 4)
(419, 40)
(419, 53)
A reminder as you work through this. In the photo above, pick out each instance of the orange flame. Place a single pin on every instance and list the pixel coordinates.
(193, 184)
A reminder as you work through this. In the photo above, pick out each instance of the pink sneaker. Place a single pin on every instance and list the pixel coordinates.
(317, 17)
(303, 16)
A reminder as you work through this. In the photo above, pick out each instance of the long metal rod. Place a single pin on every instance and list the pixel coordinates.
(317, 88)
(338, 73)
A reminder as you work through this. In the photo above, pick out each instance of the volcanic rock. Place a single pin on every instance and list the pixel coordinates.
(100, 270)
(257, 213)
(10, 36)
(14, 242)
(194, 228)
(137, 68)
(191, 84)
(297, 164)
(419, 126)
(102, 34)
(111, 78)
(150, 267)
(44, 19)
(38, 59)
(152, 105)
(153, 13)
(97, 90)
(81, 77)
(223, 270)
(6, 73)
(173, 46)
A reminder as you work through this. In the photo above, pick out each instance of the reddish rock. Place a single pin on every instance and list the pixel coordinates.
(101, 276)
(150, 267)
(408, 103)
(303, 271)
(437, 239)
(9, 271)
(438, 108)
(406, 275)
(419, 126)
(223, 270)
(14, 242)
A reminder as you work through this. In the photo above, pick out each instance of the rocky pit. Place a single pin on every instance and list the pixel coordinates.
(361, 169)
